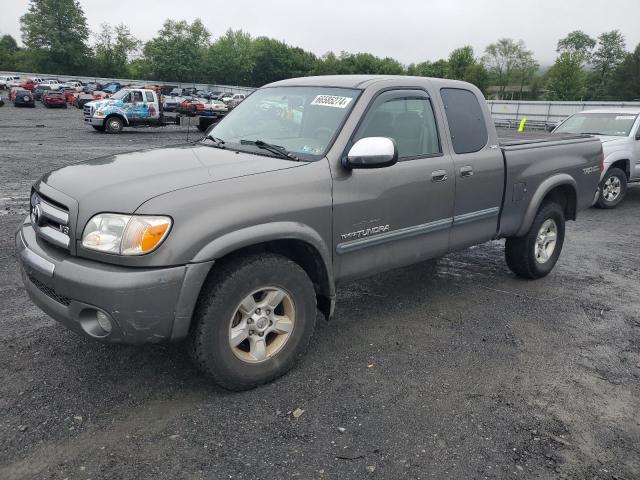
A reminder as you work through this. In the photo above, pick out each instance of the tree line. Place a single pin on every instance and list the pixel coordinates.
(57, 40)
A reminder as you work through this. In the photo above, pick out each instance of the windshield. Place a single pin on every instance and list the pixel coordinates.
(614, 124)
(303, 120)
(119, 95)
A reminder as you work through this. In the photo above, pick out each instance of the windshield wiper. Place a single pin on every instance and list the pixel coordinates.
(277, 149)
(217, 142)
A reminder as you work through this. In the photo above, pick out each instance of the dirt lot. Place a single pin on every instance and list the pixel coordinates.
(454, 369)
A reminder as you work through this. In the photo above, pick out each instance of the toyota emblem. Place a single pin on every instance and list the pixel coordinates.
(36, 214)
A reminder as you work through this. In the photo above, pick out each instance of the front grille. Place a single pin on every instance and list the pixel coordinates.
(50, 292)
(50, 220)
(87, 110)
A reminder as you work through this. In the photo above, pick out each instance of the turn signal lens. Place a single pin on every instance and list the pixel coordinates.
(144, 234)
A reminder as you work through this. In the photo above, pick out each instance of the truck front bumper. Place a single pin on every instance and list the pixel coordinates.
(108, 302)
(96, 121)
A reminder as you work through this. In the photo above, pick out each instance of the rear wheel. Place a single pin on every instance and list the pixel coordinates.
(535, 254)
(254, 319)
(613, 188)
(114, 125)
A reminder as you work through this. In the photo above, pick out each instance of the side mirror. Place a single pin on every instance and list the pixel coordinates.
(638, 135)
(372, 152)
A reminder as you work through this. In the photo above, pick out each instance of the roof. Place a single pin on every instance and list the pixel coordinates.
(356, 81)
(627, 110)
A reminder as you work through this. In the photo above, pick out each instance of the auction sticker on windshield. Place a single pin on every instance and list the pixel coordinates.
(331, 101)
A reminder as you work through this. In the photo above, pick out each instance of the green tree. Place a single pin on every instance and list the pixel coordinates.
(56, 33)
(113, 48)
(463, 65)
(178, 52)
(566, 80)
(229, 59)
(626, 79)
(478, 75)
(609, 54)
(577, 42)
(460, 60)
(8, 51)
(525, 69)
(504, 59)
(437, 69)
(303, 63)
(271, 61)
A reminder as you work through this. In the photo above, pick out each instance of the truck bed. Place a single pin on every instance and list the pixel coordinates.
(512, 138)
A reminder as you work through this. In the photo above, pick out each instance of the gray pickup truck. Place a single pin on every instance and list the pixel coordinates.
(236, 241)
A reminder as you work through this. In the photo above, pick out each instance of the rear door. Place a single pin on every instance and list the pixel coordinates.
(394, 216)
(479, 169)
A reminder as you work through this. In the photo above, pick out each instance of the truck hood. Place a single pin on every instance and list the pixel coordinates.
(121, 183)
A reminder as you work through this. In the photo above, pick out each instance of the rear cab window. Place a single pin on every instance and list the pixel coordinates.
(465, 119)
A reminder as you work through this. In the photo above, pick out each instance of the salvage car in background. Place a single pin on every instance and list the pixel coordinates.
(29, 84)
(236, 100)
(73, 84)
(7, 79)
(170, 103)
(619, 131)
(82, 99)
(40, 90)
(54, 99)
(23, 98)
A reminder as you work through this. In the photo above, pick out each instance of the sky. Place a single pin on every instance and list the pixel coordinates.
(408, 30)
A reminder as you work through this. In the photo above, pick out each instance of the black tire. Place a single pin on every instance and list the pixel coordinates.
(520, 252)
(113, 125)
(99, 128)
(607, 201)
(219, 300)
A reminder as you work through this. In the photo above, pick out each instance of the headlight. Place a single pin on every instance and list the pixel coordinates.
(125, 234)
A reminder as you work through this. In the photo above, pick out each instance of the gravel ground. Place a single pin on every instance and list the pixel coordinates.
(450, 369)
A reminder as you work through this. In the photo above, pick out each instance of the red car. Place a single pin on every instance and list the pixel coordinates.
(70, 94)
(28, 85)
(190, 106)
(54, 98)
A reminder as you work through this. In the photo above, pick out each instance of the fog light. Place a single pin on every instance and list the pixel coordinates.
(103, 321)
(96, 323)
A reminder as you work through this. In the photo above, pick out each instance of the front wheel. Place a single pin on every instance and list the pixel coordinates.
(535, 254)
(254, 319)
(114, 125)
(613, 188)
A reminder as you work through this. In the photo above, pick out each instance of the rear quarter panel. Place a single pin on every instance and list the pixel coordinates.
(532, 170)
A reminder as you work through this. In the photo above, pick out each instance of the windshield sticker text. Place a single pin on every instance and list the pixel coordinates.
(331, 101)
(625, 117)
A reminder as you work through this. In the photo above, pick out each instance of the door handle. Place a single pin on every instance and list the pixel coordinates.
(466, 171)
(439, 176)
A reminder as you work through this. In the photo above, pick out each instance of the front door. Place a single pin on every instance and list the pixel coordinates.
(394, 216)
